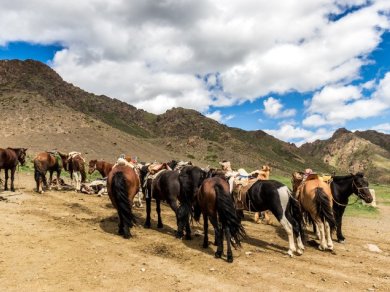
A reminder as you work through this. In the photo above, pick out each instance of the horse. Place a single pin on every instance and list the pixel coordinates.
(122, 186)
(190, 179)
(214, 201)
(49, 161)
(315, 198)
(9, 159)
(162, 185)
(101, 166)
(262, 174)
(342, 187)
(76, 167)
(276, 197)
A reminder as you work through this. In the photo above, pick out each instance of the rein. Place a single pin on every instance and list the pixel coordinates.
(345, 205)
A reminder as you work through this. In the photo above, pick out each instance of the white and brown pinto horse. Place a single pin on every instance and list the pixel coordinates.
(76, 168)
(315, 198)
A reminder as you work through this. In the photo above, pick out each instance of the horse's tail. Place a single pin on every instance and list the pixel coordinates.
(119, 192)
(38, 173)
(297, 217)
(324, 209)
(197, 211)
(227, 214)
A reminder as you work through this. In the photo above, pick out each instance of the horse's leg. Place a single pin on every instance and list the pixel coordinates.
(139, 196)
(148, 201)
(205, 231)
(329, 241)
(338, 215)
(12, 179)
(300, 245)
(158, 209)
(58, 180)
(320, 226)
(229, 253)
(50, 179)
(6, 180)
(288, 227)
(218, 236)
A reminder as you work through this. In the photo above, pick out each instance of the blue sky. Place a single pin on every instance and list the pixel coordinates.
(298, 69)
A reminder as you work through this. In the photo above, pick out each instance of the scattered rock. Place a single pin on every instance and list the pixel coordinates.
(143, 270)
(373, 248)
(347, 282)
(212, 269)
(248, 253)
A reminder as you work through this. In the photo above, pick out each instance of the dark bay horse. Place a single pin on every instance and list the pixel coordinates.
(276, 197)
(122, 186)
(76, 168)
(52, 162)
(214, 201)
(9, 159)
(101, 166)
(342, 187)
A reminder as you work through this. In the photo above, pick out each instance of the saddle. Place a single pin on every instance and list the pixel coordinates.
(156, 167)
(240, 192)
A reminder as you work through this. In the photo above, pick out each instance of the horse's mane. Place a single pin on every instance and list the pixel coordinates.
(345, 177)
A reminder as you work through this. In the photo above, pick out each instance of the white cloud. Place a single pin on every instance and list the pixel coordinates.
(219, 117)
(288, 132)
(274, 108)
(385, 128)
(335, 105)
(148, 52)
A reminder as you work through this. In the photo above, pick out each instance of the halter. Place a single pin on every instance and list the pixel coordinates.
(358, 188)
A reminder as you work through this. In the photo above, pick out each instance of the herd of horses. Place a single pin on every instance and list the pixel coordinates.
(191, 191)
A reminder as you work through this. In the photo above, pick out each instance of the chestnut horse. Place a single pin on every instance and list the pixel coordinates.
(52, 162)
(76, 168)
(316, 199)
(9, 159)
(123, 185)
(214, 201)
(101, 166)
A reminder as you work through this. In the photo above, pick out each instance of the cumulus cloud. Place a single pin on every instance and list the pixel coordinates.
(274, 108)
(219, 117)
(335, 105)
(154, 54)
(299, 135)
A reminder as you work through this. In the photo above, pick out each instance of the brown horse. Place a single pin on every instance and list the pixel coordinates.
(9, 159)
(76, 168)
(101, 166)
(123, 185)
(315, 198)
(214, 201)
(52, 162)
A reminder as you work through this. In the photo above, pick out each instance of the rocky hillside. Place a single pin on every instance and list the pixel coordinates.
(365, 151)
(37, 105)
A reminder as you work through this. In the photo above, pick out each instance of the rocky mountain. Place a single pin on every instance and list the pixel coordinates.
(347, 151)
(41, 111)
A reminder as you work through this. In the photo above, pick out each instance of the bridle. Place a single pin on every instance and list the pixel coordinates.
(359, 195)
(359, 188)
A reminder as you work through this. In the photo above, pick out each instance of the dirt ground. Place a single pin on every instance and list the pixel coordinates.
(64, 241)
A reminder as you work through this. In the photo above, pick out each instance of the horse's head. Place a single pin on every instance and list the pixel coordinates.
(360, 187)
(65, 159)
(92, 166)
(21, 153)
(296, 180)
(172, 164)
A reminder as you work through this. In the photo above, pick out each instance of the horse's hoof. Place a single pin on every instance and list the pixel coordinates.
(218, 254)
(205, 245)
(300, 252)
(121, 232)
(320, 247)
(229, 259)
(290, 253)
(160, 225)
(188, 237)
(330, 247)
(147, 225)
(179, 235)
(341, 240)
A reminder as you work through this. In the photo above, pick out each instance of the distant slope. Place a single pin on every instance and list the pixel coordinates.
(350, 152)
(35, 93)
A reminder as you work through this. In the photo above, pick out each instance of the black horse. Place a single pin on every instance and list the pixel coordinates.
(276, 197)
(190, 179)
(342, 187)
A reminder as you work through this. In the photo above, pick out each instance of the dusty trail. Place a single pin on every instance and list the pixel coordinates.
(63, 241)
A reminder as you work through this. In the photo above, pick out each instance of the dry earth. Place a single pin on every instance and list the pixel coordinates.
(64, 241)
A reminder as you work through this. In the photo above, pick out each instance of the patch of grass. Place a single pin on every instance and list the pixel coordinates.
(361, 210)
